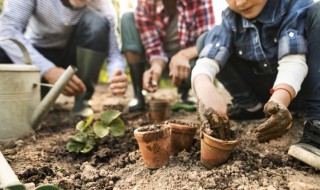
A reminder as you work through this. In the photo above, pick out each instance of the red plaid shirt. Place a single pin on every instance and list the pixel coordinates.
(195, 17)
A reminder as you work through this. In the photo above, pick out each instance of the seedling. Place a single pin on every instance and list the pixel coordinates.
(90, 132)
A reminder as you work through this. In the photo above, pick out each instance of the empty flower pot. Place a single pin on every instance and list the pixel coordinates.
(154, 145)
(215, 152)
(182, 135)
(158, 109)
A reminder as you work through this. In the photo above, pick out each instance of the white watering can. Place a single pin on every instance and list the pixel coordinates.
(20, 107)
(9, 180)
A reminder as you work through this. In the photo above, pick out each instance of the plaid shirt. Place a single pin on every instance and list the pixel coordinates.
(194, 18)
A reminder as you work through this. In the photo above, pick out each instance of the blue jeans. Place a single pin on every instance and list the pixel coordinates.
(91, 32)
(248, 88)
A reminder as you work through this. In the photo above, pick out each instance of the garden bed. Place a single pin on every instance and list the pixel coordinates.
(42, 158)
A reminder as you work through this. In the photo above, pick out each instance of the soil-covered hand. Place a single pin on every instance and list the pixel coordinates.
(211, 122)
(278, 123)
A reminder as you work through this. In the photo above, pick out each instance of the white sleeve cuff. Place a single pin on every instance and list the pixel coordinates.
(292, 70)
(206, 66)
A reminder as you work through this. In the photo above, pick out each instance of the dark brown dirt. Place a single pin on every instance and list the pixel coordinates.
(42, 158)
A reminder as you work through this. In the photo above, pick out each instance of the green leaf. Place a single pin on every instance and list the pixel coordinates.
(79, 137)
(81, 126)
(100, 129)
(74, 146)
(117, 127)
(87, 149)
(89, 145)
(89, 120)
(108, 116)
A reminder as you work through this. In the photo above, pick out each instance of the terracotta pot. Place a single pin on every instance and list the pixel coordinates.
(154, 146)
(159, 109)
(215, 152)
(182, 136)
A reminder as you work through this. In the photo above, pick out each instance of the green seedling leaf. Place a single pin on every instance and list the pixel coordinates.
(89, 120)
(74, 146)
(108, 116)
(89, 145)
(117, 127)
(87, 149)
(81, 126)
(100, 129)
(79, 137)
(90, 133)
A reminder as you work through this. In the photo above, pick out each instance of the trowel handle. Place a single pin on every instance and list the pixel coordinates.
(7, 175)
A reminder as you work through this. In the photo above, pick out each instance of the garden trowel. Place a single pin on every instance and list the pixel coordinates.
(9, 180)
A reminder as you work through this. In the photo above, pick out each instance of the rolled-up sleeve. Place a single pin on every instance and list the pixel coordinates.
(218, 44)
(292, 39)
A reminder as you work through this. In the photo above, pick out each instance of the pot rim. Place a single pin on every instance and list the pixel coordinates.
(182, 128)
(223, 144)
(163, 132)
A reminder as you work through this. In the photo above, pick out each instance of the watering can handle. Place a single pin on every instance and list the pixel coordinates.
(24, 50)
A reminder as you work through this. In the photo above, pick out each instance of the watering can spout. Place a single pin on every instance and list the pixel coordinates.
(44, 106)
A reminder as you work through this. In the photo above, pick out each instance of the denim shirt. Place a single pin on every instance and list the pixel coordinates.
(277, 31)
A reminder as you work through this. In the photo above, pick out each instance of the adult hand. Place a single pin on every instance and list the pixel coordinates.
(152, 76)
(179, 68)
(279, 122)
(74, 86)
(118, 83)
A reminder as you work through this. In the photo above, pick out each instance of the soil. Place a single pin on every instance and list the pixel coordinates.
(116, 163)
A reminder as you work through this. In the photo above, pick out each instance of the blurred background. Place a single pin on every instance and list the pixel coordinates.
(123, 6)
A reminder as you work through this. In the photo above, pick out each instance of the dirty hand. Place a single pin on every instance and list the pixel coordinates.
(152, 76)
(118, 83)
(278, 123)
(179, 68)
(75, 86)
(211, 121)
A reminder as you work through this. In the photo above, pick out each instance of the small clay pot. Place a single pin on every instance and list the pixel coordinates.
(159, 109)
(154, 146)
(215, 152)
(182, 135)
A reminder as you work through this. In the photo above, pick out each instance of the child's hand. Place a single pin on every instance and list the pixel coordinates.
(211, 121)
(279, 122)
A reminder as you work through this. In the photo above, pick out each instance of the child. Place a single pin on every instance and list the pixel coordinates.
(263, 47)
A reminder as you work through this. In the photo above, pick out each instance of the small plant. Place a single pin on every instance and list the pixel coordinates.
(89, 132)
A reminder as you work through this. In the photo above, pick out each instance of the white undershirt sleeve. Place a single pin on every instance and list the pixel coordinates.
(292, 70)
(206, 66)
